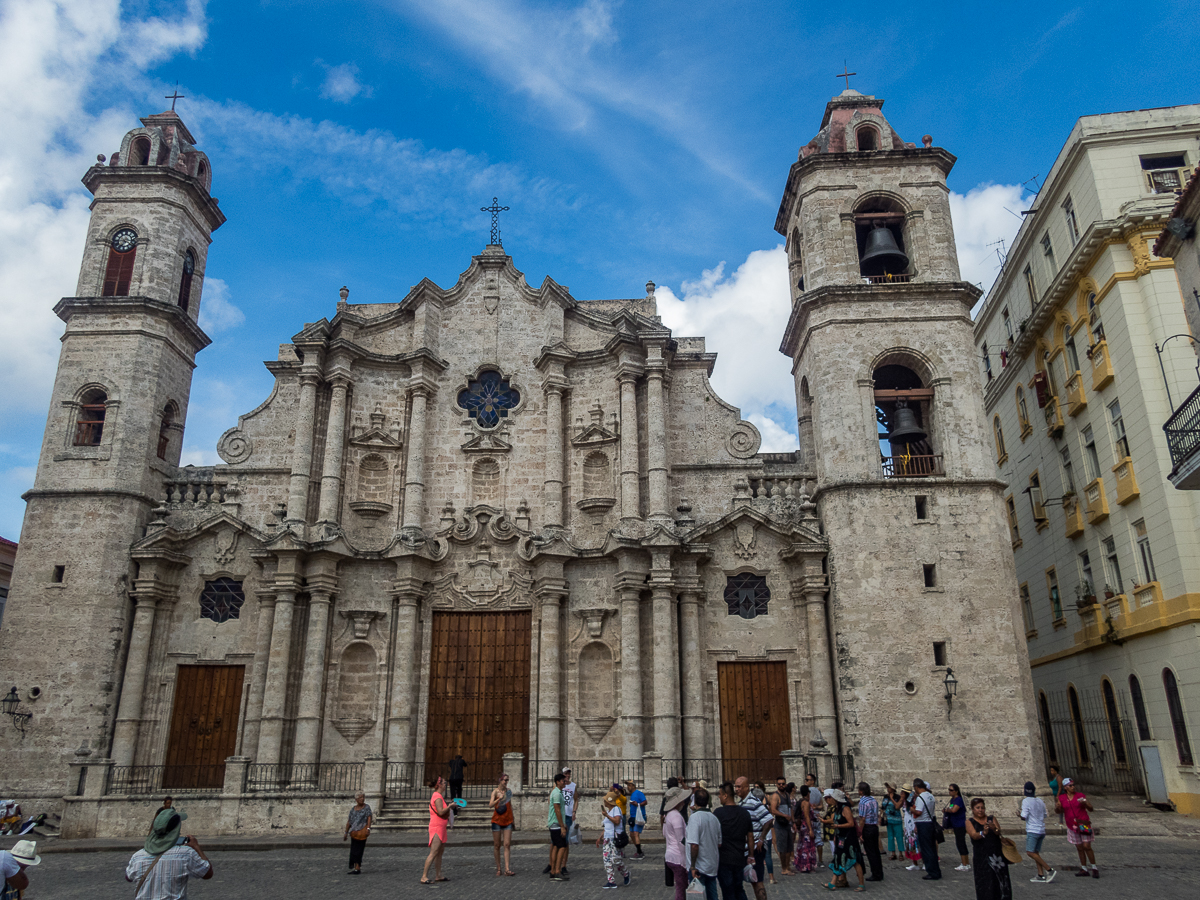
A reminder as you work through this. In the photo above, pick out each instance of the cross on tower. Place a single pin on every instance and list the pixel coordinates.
(495, 209)
(846, 73)
(173, 97)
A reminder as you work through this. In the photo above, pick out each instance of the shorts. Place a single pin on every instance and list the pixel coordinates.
(1074, 837)
(567, 820)
(496, 827)
(1033, 842)
(557, 838)
(636, 827)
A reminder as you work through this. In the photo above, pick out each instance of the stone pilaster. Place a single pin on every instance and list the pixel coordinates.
(691, 678)
(258, 676)
(133, 685)
(631, 674)
(401, 715)
(414, 482)
(302, 450)
(550, 593)
(666, 666)
(656, 437)
(335, 442)
(630, 489)
(312, 680)
(824, 715)
(270, 733)
(553, 499)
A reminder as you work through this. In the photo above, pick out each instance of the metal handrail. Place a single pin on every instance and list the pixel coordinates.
(1183, 429)
(912, 466)
(328, 777)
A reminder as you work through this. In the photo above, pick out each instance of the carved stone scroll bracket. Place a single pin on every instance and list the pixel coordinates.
(596, 727)
(593, 621)
(360, 620)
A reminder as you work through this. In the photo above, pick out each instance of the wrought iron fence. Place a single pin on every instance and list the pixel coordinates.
(327, 777)
(166, 779)
(410, 780)
(766, 769)
(589, 774)
(912, 466)
(1183, 430)
(1090, 743)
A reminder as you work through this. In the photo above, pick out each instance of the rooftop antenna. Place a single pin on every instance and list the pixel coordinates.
(1035, 184)
(1000, 252)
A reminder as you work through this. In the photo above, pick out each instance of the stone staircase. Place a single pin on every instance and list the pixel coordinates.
(413, 815)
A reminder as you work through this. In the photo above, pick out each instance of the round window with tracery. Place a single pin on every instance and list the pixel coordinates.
(489, 398)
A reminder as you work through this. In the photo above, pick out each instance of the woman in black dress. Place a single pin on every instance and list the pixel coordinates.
(989, 865)
(847, 854)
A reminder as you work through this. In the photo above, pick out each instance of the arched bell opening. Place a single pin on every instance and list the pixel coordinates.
(879, 231)
(904, 417)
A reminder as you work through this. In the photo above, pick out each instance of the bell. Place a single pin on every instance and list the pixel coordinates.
(883, 256)
(906, 430)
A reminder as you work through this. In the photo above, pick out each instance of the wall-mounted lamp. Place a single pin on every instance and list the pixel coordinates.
(951, 684)
(11, 706)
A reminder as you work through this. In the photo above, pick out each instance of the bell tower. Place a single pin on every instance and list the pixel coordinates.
(113, 437)
(892, 421)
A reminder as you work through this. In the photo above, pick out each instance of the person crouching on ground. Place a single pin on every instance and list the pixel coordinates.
(614, 854)
(162, 868)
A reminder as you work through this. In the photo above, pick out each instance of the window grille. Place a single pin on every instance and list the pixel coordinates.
(221, 600)
(747, 595)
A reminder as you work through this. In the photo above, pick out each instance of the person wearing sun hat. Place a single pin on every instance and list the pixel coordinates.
(13, 864)
(161, 869)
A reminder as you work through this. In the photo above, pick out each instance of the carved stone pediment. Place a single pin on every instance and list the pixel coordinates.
(377, 437)
(595, 433)
(484, 585)
(486, 442)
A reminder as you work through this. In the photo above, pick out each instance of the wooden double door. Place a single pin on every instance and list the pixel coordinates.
(755, 718)
(204, 724)
(478, 691)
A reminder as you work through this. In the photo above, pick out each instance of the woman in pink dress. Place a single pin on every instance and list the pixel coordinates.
(439, 814)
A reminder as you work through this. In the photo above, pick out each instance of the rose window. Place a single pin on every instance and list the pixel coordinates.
(488, 398)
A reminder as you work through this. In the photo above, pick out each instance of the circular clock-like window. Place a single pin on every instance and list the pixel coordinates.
(124, 240)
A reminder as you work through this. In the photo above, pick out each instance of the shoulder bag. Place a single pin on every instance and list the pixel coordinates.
(145, 874)
(1007, 847)
(361, 834)
(939, 833)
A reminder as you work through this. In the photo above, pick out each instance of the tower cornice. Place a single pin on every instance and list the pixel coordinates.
(71, 306)
(98, 176)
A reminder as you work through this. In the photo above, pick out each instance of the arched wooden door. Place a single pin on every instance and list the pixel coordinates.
(755, 719)
(204, 725)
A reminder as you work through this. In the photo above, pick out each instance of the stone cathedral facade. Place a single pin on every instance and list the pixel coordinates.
(495, 519)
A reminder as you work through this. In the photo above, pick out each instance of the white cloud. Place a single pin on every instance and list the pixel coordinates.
(51, 56)
(775, 438)
(217, 314)
(195, 456)
(742, 318)
(341, 83)
(981, 218)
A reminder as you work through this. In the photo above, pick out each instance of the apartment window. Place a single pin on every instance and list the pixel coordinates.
(1086, 584)
(1048, 368)
(1008, 328)
(1090, 458)
(1072, 223)
(1022, 409)
(1118, 426)
(1068, 471)
(929, 570)
(1114, 722)
(1094, 321)
(1035, 498)
(1012, 518)
(1164, 174)
(1055, 598)
(1112, 566)
(1072, 357)
(1145, 557)
(987, 362)
(1178, 724)
(1139, 709)
(1048, 252)
(1001, 453)
(1026, 607)
(1081, 746)
(1047, 730)
(1031, 286)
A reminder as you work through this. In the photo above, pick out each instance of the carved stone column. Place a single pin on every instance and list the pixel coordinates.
(335, 440)
(258, 677)
(133, 685)
(553, 500)
(414, 483)
(270, 733)
(312, 680)
(550, 671)
(630, 490)
(656, 441)
(666, 670)
(691, 659)
(631, 672)
(402, 715)
(824, 716)
(302, 450)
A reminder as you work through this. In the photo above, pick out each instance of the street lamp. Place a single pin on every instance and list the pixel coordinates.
(951, 684)
(11, 706)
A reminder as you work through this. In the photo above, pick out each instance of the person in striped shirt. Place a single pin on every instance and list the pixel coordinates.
(762, 819)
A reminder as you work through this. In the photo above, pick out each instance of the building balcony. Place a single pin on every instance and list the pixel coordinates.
(1076, 399)
(912, 466)
(1054, 417)
(1097, 502)
(1183, 440)
(1102, 370)
(1127, 488)
(1146, 594)
(1074, 512)
(887, 279)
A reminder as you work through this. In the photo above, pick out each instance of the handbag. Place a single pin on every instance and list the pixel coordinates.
(1084, 829)
(1010, 851)
(361, 834)
(574, 836)
(748, 874)
(939, 833)
(695, 887)
(621, 840)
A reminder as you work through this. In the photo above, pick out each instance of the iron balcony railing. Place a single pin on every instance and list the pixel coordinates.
(137, 780)
(912, 466)
(326, 777)
(888, 279)
(1183, 430)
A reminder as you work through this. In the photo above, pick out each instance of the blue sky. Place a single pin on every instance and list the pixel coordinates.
(354, 142)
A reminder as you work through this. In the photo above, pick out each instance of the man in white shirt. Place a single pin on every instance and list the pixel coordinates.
(14, 863)
(1033, 811)
(922, 805)
(569, 789)
(704, 843)
(162, 868)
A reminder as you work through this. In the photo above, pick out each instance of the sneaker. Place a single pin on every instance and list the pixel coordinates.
(610, 886)
(961, 868)
(1050, 875)
(546, 871)
(1095, 873)
(912, 868)
(563, 871)
(627, 879)
(1082, 873)
(563, 876)
(554, 877)
(1038, 879)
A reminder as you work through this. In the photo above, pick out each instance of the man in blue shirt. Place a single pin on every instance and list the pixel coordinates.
(637, 804)
(868, 811)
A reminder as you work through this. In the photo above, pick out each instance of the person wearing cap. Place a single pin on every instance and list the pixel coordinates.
(1033, 813)
(161, 869)
(637, 803)
(13, 864)
(674, 830)
(1075, 808)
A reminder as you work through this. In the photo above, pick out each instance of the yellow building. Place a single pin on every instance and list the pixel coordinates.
(1081, 366)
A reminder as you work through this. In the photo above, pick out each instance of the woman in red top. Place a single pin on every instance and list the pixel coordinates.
(502, 824)
(1075, 808)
